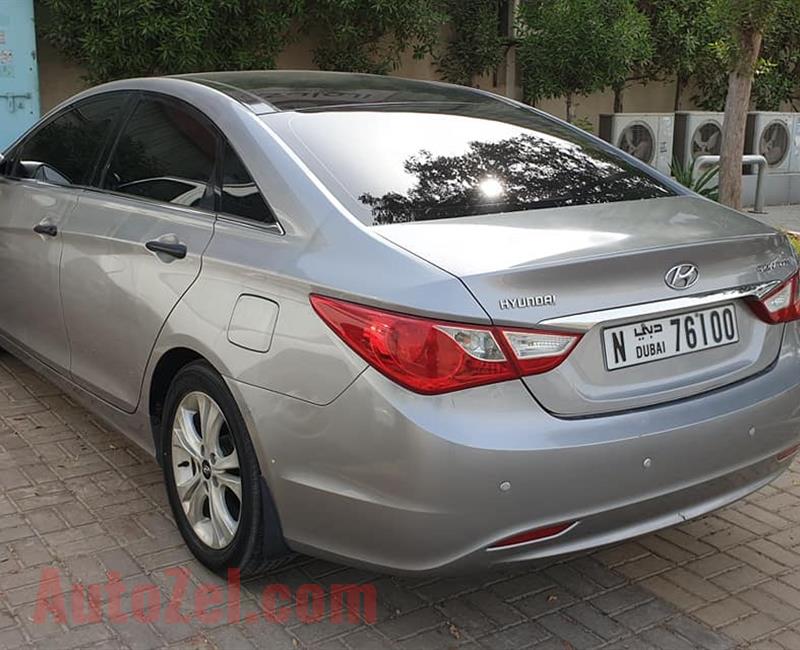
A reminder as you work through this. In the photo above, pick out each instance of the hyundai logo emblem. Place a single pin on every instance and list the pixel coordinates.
(681, 276)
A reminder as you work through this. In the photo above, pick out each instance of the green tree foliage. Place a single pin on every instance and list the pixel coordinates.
(712, 85)
(577, 47)
(125, 38)
(681, 31)
(475, 46)
(371, 35)
(778, 75)
(777, 72)
(567, 47)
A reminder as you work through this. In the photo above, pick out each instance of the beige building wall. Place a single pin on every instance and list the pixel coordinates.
(654, 97)
(58, 78)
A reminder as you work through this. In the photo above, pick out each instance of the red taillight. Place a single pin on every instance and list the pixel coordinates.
(537, 534)
(780, 305)
(431, 356)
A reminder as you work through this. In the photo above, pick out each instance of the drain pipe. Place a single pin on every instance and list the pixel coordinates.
(749, 159)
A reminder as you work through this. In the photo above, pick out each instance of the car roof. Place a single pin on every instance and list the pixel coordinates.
(268, 91)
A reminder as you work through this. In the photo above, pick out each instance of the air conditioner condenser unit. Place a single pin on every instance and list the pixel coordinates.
(772, 135)
(646, 136)
(697, 133)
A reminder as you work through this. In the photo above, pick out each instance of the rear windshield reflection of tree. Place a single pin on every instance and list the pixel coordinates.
(532, 172)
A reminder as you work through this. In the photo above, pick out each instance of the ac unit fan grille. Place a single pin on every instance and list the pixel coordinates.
(638, 141)
(774, 143)
(707, 140)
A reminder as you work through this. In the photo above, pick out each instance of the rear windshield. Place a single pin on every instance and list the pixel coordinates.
(397, 164)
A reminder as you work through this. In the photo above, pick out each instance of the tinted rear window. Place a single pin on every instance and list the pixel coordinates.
(400, 164)
(165, 153)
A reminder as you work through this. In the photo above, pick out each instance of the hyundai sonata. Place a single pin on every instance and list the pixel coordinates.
(394, 323)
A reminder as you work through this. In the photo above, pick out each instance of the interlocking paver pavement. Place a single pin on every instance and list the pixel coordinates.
(785, 217)
(80, 499)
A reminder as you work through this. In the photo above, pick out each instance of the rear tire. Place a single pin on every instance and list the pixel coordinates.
(221, 504)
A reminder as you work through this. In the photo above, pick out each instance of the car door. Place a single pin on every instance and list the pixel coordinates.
(133, 245)
(39, 189)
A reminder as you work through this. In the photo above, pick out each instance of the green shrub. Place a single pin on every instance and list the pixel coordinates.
(128, 38)
(370, 35)
(685, 175)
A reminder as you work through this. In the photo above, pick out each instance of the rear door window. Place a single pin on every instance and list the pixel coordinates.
(165, 153)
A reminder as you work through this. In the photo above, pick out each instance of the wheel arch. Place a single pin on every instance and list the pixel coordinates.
(168, 366)
(272, 550)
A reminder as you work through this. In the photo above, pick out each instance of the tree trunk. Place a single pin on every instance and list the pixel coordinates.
(570, 99)
(740, 84)
(619, 99)
(679, 85)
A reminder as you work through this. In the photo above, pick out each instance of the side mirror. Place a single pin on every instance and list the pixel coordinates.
(6, 165)
(48, 174)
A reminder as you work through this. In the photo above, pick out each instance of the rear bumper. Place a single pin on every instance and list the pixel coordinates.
(407, 483)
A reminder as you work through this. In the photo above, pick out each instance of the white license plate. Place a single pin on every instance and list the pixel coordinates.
(671, 336)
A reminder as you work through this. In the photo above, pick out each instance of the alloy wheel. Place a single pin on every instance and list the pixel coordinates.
(205, 467)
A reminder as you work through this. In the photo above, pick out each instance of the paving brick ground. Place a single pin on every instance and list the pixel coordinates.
(785, 217)
(84, 501)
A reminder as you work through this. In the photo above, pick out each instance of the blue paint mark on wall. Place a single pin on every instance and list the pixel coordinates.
(19, 76)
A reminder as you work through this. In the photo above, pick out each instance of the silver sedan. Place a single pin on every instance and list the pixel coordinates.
(394, 323)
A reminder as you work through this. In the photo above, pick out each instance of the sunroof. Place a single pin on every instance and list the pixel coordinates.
(285, 90)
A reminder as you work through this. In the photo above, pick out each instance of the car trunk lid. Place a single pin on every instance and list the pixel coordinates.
(547, 266)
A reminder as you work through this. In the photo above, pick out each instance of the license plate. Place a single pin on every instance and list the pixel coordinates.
(671, 336)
